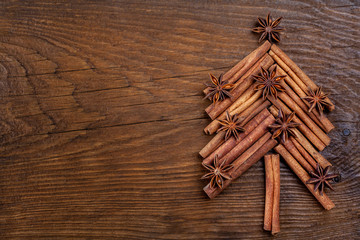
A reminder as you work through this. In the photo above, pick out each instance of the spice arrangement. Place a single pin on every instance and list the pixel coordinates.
(267, 104)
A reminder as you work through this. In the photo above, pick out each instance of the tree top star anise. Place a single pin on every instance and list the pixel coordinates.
(217, 173)
(269, 29)
(317, 99)
(321, 177)
(284, 125)
(231, 126)
(219, 89)
(269, 82)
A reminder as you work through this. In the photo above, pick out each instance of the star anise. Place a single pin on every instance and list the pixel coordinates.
(231, 125)
(219, 89)
(322, 177)
(270, 29)
(217, 173)
(268, 82)
(284, 125)
(317, 99)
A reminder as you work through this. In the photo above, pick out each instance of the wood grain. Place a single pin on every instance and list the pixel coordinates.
(102, 114)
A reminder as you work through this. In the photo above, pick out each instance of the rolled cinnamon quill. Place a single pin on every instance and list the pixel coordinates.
(324, 200)
(254, 109)
(303, 128)
(295, 152)
(275, 225)
(295, 97)
(215, 110)
(311, 150)
(269, 192)
(212, 148)
(242, 103)
(294, 71)
(245, 64)
(303, 152)
(296, 93)
(305, 143)
(272, 195)
(305, 118)
(252, 137)
(244, 162)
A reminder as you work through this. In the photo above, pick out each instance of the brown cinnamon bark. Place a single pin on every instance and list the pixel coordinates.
(214, 143)
(215, 110)
(252, 137)
(241, 104)
(303, 128)
(210, 149)
(296, 98)
(297, 155)
(296, 93)
(250, 151)
(305, 118)
(303, 152)
(244, 65)
(253, 103)
(310, 149)
(305, 143)
(294, 71)
(239, 170)
(254, 109)
(324, 200)
(244, 101)
(269, 192)
(275, 228)
(237, 84)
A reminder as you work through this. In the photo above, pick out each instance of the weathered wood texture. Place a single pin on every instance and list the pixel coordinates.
(102, 118)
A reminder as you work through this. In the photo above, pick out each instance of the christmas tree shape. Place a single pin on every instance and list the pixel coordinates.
(267, 103)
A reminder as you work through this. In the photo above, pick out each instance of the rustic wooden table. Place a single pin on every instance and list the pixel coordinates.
(102, 117)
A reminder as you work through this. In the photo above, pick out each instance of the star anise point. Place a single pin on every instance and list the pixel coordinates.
(231, 125)
(269, 29)
(321, 177)
(284, 125)
(269, 83)
(317, 99)
(219, 89)
(218, 172)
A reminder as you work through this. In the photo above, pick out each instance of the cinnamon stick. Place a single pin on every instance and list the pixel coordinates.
(243, 66)
(254, 109)
(252, 137)
(305, 143)
(297, 155)
(321, 120)
(303, 128)
(324, 200)
(296, 98)
(303, 152)
(269, 192)
(239, 170)
(310, 149)
(242, 103)
(215, 110)
(250, 151)
(294, 71)
(214, 143)
(305, 118)
(275, 226)
(238, 83)
(209, 150)
(244, 111)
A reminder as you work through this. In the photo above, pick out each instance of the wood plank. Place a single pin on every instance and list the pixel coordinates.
(102, 114)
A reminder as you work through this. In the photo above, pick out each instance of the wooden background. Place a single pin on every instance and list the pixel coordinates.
(102, 117)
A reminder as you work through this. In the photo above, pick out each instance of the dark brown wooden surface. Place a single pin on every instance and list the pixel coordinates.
(102, 117)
